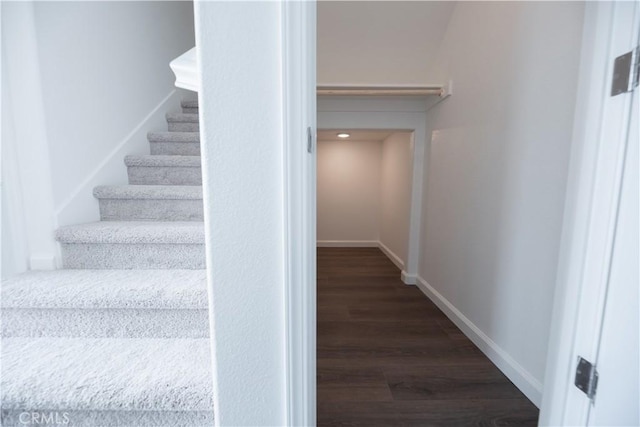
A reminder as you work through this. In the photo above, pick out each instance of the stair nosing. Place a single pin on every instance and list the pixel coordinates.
(122, 374)
(148, 192)
(163, 160)
(133, 232)
(173, 137)
(106, 290)
(189, 103)
(182, 117)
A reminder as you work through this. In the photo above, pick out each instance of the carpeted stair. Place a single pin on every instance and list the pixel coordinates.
(164, 170)
(119, 337)
(174, 143)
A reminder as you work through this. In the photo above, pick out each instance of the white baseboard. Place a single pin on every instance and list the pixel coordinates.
(347, 243)
(408, 279)
(531, 387)
(43, 262)
(392, 256)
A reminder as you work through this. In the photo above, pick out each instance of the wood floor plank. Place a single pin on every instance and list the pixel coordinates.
(387, 356)
(432, 413)
(392, 331)
(480, 381)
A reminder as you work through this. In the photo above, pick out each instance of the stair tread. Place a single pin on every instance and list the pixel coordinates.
(182, 117)
(107, 289)
(166, 192)
(106, 374)
(133, 232)
(173, 136)
(189, 103)
(163, 160)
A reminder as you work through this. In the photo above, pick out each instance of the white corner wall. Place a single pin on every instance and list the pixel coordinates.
(105, 71)
(498, 166)
(395, 195)
(88, 81)
(241, 109)
(28, 218)
(348, 192)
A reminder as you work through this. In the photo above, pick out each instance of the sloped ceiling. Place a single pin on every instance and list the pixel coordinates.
(379, 42)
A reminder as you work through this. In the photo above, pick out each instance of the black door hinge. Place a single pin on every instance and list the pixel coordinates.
(626, 72)
(586, 377)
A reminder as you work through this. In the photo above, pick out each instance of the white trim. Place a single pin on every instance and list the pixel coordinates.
(408, 279)
(185, 68)
(391, 255)
(406, 113)
(373, 90)
(378, 86)
(42, 262)
(526, 382)
(86, 186)
(362, 104)
(347, 244)
(29, 200)
(299, 104)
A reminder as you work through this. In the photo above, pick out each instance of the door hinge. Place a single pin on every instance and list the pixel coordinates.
(586, 377)
(626, 72)
(309, 140)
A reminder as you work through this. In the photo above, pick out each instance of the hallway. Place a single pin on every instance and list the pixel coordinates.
(388, 356)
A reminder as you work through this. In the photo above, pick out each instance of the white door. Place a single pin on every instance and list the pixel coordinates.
(596, 314)
(617, 397)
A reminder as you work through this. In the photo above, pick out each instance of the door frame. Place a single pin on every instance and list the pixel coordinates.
(591, 208)
(401, 114)
(299, 167)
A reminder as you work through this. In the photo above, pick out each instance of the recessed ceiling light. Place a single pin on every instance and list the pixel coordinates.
(344, 135)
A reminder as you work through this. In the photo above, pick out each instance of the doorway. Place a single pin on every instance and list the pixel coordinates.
(385, 352)
(366, 116)
(364, 190)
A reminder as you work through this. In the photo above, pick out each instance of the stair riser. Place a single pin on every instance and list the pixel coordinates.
(105, 323)
(112, 418)
(150, 210)
(164, 175)
(112, 256)
(175, 148)
(188, 110)
(183, 127)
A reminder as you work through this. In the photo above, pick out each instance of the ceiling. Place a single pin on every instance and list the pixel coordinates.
(356, 135)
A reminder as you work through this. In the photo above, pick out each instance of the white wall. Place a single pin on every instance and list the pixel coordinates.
(241, 103)
(89, 79)
(395, 194)
(348, 191)
(28, 218)
(104, 67)
(379, 42)
(14, 247)
(497, 174)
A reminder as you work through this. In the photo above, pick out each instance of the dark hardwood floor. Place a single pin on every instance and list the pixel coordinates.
(387, 356)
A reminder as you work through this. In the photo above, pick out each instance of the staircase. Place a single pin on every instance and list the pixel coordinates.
(119, 337)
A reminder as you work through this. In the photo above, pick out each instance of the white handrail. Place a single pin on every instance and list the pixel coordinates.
(185, 67)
